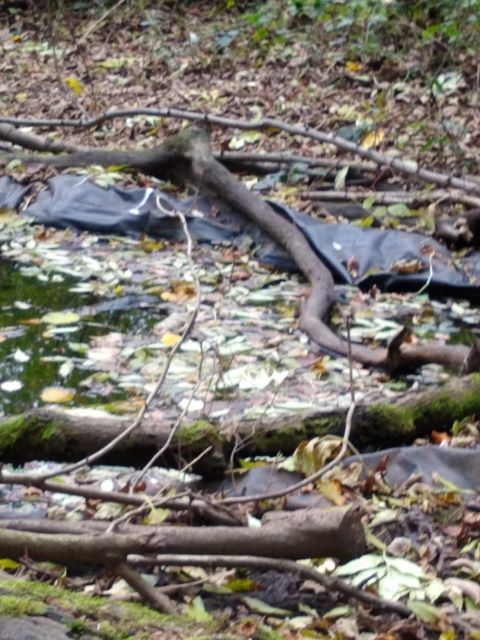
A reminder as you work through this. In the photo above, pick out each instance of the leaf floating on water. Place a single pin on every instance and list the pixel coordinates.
(21, 356)
(11, 385)
(61, 317)
(57, 395)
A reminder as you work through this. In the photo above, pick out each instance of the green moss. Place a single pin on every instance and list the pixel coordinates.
(282, 440)
(387, 422)
(323, 426)
(110, 620)
(445, 406)
(26, 430)
(19, 606)
(200, 432)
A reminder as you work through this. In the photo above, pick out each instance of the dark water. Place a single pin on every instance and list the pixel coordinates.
(20, 329)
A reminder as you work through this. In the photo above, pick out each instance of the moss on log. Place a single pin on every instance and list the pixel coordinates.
(69, 434)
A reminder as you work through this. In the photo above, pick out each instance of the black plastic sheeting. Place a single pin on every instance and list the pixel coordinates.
(75, 201)
(431, 463)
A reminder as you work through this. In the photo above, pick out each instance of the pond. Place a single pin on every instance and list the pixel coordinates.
(40, 349)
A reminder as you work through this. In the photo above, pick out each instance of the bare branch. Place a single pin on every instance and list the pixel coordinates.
(408, 168)
(330, 583)
(154, 597)
(411, 198)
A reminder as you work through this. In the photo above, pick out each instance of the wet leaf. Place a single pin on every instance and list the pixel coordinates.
(399, 210)
(11, 385)
(156, 516)
(340, 178)
(353, 67)
(309, 457)
(9, 564)
(61, 317)
(257, 606)
(426, 612)
(57, 395)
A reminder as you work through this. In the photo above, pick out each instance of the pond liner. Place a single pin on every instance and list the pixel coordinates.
(432, 464)
(379, 257)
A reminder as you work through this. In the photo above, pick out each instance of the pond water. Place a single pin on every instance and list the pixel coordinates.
(35, 354)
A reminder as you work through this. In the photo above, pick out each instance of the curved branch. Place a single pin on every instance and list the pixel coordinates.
(408, 168)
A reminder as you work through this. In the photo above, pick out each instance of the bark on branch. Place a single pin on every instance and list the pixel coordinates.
(309, 533)
(408, 168)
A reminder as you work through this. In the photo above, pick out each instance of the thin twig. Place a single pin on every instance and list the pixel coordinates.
(330, 583)
(148, 505)
(309, 479)
(98, 22)
(174, 213)
(156, 599)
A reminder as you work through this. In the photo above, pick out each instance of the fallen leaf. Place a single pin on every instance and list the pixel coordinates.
(61, 317)
(373, 138)
(170, 339)
(57, 395)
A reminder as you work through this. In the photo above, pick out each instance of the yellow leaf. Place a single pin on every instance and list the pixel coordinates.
(75, 85)
(353, 67)
(156, 516)
(170, 339)
(181, 291)
(8, 563)
(149, 246)
(333, 491)
(58, 395)
(373, 139)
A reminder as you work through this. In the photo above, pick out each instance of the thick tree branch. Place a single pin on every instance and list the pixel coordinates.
(309, 533)
(408, 168)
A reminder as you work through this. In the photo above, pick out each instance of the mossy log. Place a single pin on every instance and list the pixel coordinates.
(68, 434)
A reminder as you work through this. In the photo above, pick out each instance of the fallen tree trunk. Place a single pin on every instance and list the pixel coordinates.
(309, 533)
(69, 434)
(187, 157)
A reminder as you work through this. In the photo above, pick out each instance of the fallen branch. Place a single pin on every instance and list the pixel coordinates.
(229, 158)
(34, 142)
(205, 509)
(330, 583)
(408, 168)
(411, 198)
(154, 597)
(309, 533)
